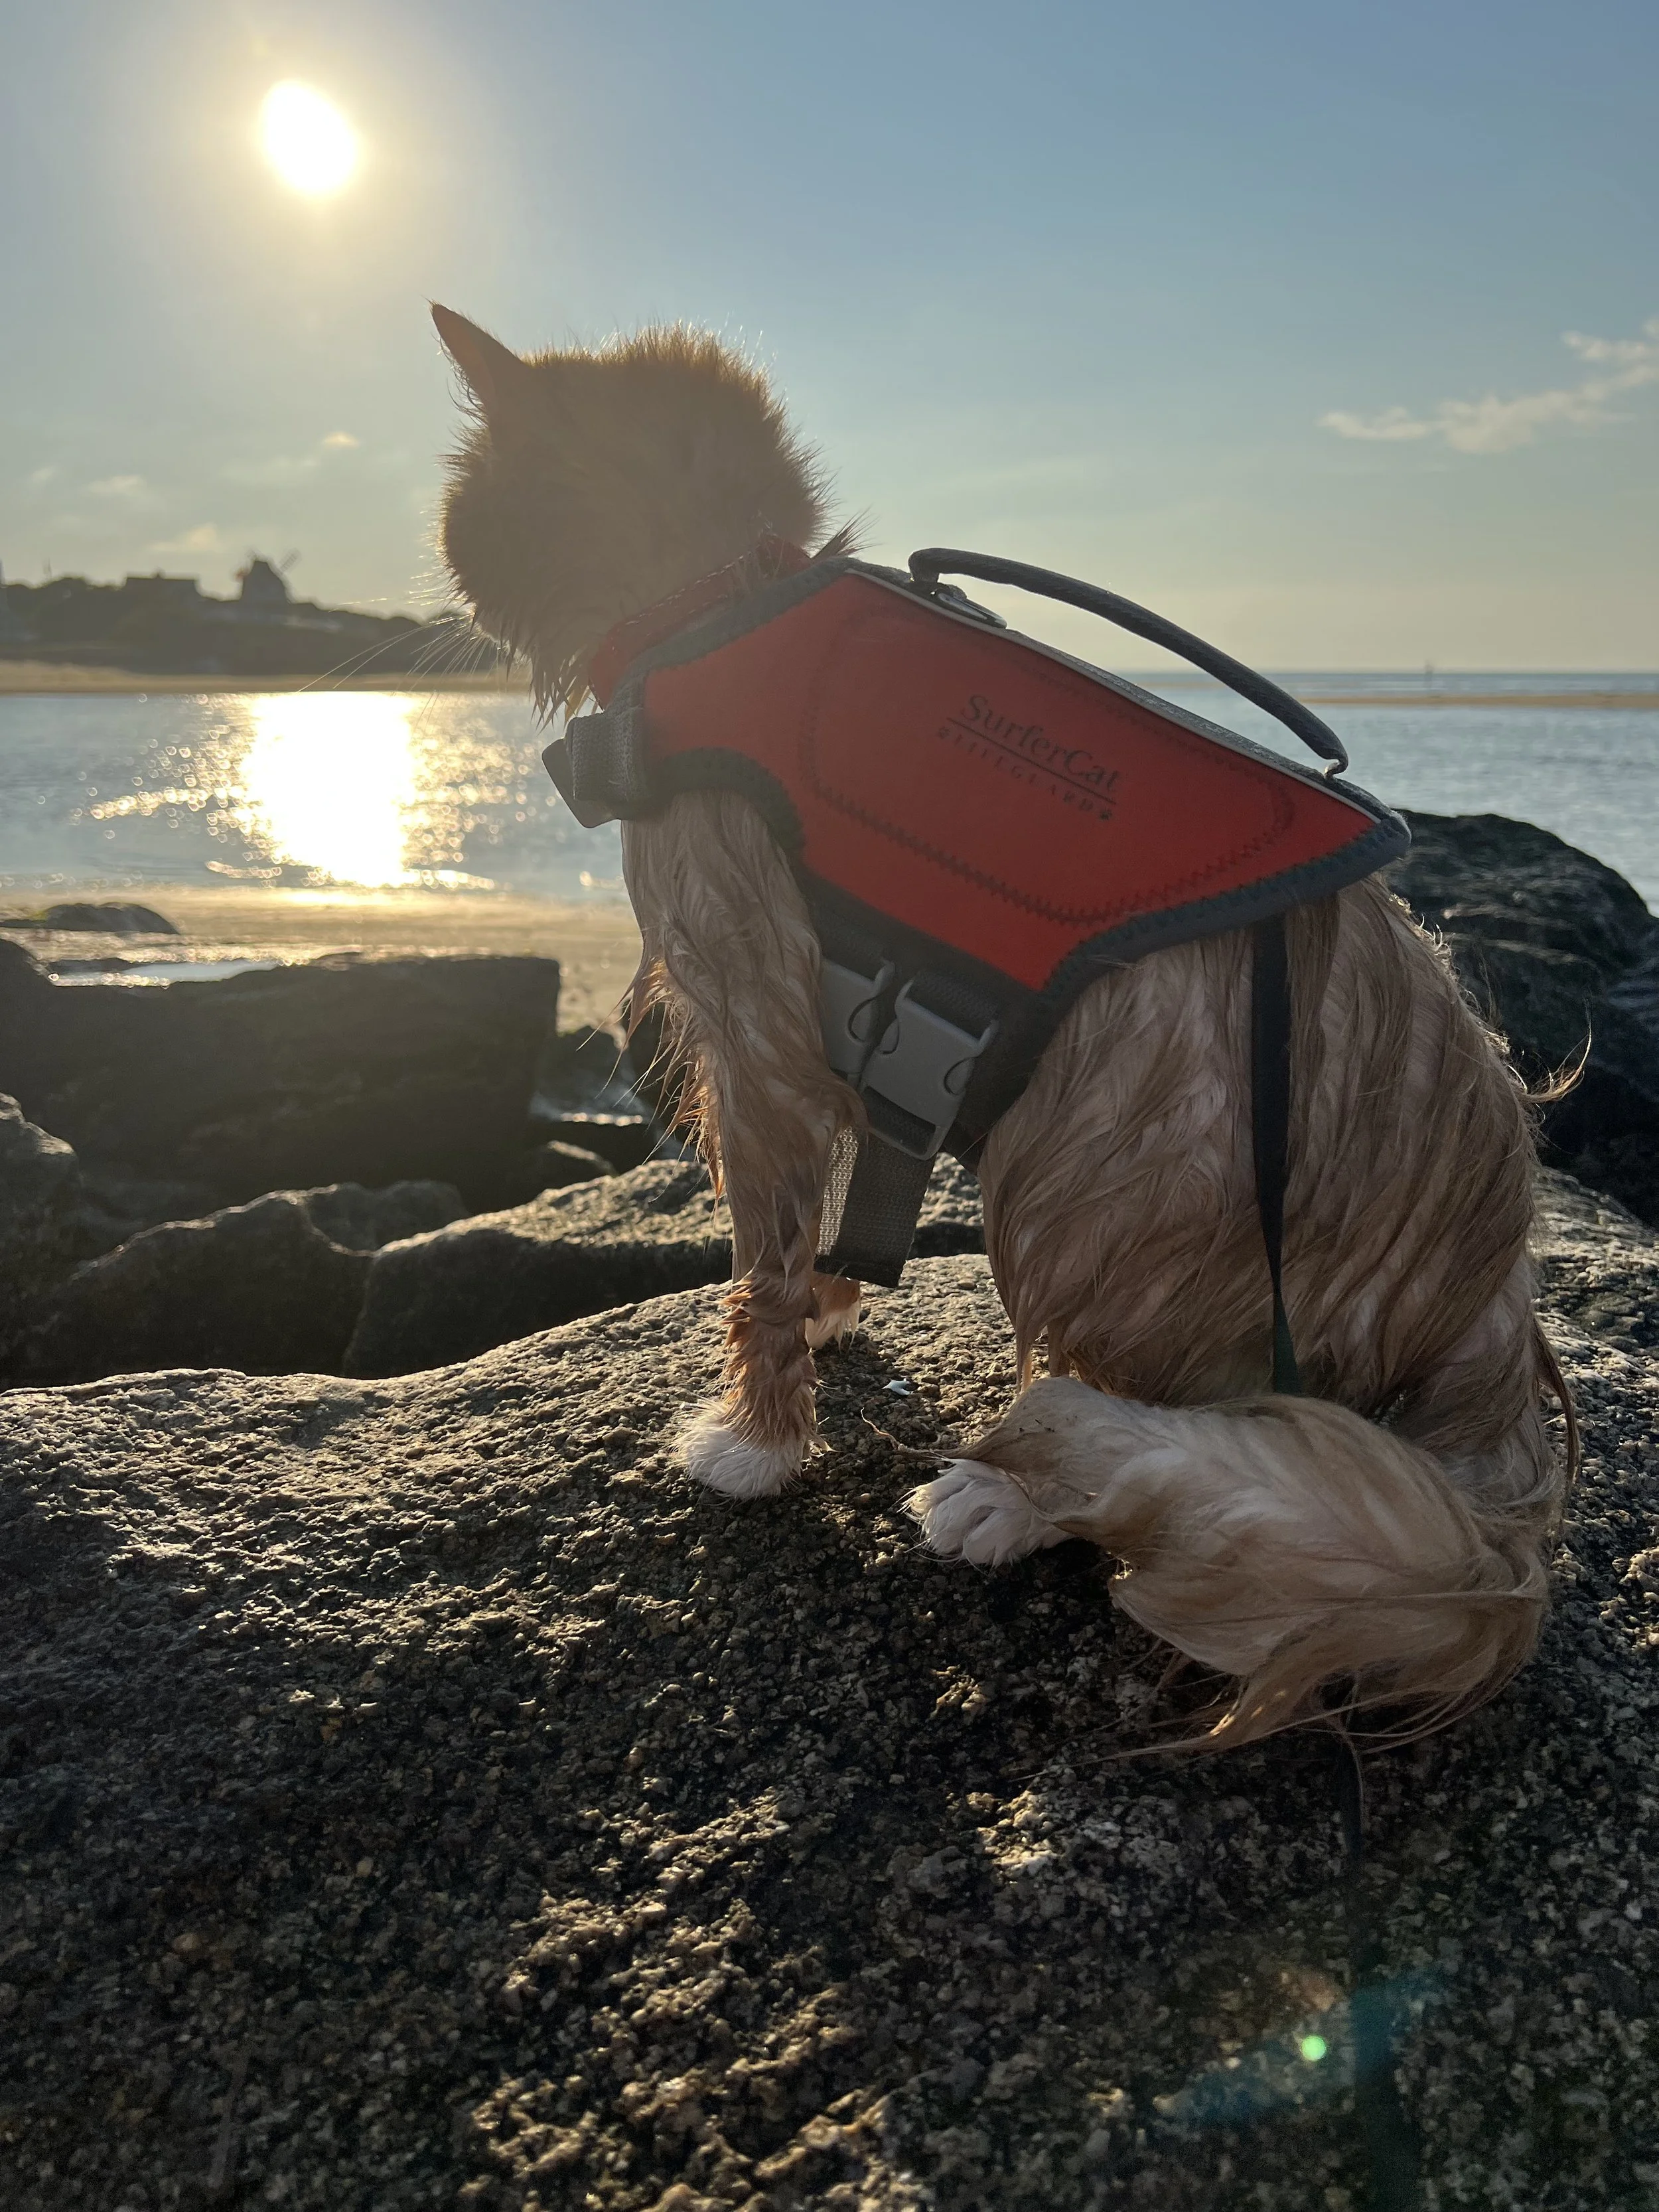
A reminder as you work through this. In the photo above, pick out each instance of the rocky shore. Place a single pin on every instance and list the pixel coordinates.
(413, 1792)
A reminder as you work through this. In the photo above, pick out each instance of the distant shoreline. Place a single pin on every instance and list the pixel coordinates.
(44, 679)
(50, 679)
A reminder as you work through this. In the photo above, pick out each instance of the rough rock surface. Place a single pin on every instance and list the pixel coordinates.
(1560, 952)
(638, 1234)
(338, 1070)
(47, 1223)
(271, 1287)
(419, 1794)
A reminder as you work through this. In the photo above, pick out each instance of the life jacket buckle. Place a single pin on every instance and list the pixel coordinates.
(914, 1085)
(599, 767)
(850, 1009)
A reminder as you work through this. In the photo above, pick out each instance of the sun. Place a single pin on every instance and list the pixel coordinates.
(306, 140)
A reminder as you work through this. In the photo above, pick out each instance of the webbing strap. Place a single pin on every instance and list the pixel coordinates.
(1270, 1111)
(871, 1205)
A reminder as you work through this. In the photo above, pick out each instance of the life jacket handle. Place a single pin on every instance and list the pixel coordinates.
(932, 562)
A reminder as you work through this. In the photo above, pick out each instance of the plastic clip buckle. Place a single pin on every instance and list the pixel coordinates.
(922, 1066)
(849, 1007)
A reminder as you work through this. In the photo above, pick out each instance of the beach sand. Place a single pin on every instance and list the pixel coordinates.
(597, 945)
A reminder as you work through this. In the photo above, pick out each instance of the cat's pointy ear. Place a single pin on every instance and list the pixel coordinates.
(493, 374)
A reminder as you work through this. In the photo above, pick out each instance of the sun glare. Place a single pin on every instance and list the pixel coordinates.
(306, 140)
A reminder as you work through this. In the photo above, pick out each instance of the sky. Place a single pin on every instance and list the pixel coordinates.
(1330, 330)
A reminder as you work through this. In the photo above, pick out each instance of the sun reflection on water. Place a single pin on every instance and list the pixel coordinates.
(329, 780)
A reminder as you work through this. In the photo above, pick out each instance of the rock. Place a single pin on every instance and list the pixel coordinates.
(556, 1166)
(339, 1070)
(440, 1297)
(272, 1288)
(111, 917)
(47, 1222)
(512, 1822)
(1560, 954)
(498, 1276)
(586, 1095)
(621, 1140)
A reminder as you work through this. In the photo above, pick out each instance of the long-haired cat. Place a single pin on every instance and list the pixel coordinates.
(1382, 1541)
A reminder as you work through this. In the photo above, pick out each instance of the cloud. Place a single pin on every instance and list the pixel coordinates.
(42, 476)
(204, 538)
(271, 475)
(341, 439)
(119, 487)
(1491, 425)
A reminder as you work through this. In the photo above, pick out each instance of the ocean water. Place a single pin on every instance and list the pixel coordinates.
(303, 789)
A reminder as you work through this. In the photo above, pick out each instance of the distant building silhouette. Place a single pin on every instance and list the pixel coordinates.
(170, 595)
(169, 623)
(12, 630)
(265, 596)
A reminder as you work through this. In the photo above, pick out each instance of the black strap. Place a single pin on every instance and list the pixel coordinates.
(1270, 1097)
(871, 1206)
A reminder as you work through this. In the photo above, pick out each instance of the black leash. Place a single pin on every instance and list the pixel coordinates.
(1270, 1109)
(1391, 2144)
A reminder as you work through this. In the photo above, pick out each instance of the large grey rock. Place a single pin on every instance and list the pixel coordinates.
(47, 1222)
(509, 1823)
(273, 1287)
(338, 1070)
(637, 1235)
(1562, 955)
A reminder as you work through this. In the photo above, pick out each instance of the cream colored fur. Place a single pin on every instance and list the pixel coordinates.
(1384, 1540)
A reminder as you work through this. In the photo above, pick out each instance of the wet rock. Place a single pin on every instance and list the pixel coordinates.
(509, 1822)
(111, 917)
(640, 1234)
(339, 1070)
(273, 1287)
(1562, 955)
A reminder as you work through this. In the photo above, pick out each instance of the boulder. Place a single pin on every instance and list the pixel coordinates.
(272, 1288)
(587, 1095)
(338, 1070)
(48, 1221)
(444, 1296)
(417, 1793)
(99, 917)
(1563, 956)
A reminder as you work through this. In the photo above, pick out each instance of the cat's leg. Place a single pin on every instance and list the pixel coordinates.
(731, 957)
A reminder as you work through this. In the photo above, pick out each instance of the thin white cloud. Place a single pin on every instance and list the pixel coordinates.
(204, 538)
(42, 476)
(271, 475)
(118, 486)
(341, 441)
(1491, 425)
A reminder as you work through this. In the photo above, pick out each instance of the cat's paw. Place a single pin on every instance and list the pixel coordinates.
(976, 1512)
(715, 1455)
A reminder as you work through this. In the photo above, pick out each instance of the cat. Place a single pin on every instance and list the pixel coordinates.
(1382, 1541)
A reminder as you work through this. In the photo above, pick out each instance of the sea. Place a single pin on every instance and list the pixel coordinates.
(301, 790)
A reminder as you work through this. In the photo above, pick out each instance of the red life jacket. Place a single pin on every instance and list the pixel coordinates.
(979, 824)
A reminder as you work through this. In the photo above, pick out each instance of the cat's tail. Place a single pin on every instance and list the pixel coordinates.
(1313, 1556)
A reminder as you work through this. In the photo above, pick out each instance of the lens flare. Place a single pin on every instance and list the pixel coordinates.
(1313, 2048)
(306, 140)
